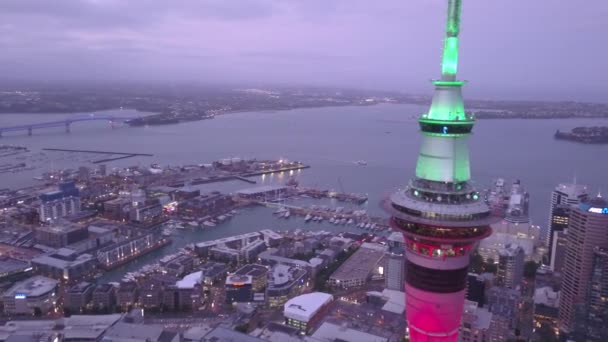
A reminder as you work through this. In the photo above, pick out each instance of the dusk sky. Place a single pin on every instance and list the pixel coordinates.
(513, 49)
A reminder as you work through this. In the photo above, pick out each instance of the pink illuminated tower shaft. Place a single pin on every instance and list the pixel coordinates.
(440, 214)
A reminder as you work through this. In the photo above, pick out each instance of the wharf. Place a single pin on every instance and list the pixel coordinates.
(282, 169)
(198, 181)
(161, 243)
(240, 176)
(382, 223)
(344, 197)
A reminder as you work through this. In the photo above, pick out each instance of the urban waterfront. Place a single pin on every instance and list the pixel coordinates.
(332, 140)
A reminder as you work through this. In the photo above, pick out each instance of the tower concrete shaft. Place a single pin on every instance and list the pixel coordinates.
(440, 214)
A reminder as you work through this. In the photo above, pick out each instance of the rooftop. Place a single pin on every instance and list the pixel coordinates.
(304, 307)
(222, 334)
(280, 274)
(54, 260)
(479, 318)
(239, 280)
(32, 287)
(227, 239)
(271, 233)
(329, 332)
(190, 281)
(252, 270)
(269, 256)
(572, 190)
(129, 332)
(360, 264)
(80, 287)
(9, 265)
(546, 296)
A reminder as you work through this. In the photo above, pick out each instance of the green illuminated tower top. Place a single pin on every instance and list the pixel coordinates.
(444, 156)
(449, 63)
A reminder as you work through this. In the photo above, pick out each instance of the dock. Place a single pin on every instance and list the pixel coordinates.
(343, 197)
(381, 223)
(279, 170)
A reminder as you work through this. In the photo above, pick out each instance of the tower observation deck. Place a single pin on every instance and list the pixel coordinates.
(440, 214)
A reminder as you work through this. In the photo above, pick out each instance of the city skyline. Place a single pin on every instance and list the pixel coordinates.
(337, 44)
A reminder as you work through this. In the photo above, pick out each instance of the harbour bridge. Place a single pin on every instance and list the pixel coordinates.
(67, 123)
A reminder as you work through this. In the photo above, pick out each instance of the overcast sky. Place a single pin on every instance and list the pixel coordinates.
(509, 48)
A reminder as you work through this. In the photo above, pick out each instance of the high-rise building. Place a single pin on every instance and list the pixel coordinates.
(57, 204)
(597, 298)
(475, 324)
(563, 198)
(440, 214)
(394, 277)
(587, 229)
(558, 250)
(504, 305)
(510, 266)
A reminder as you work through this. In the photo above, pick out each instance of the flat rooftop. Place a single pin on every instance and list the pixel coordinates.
(269, 256)
(227, 239)
(332, 332)
(252, 270)
(190, 281)
(50, 260)
(304, 307)
(271, 234)
(360, 264)
(10, 265)
(32, 287)
(228, 335)
(80, 287)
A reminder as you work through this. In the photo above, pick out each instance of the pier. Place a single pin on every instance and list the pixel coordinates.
(381, 223)
(239, 176)
(343, 197)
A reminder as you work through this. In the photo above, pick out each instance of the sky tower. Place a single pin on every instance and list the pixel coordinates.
(440, 214)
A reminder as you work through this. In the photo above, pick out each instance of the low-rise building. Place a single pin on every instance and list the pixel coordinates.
(77, 298)
(358, 269)
(33, 296)
(146, 213)
(239, 289)
(475, 326)
(104, 297)
(305, 311)
(213, 272)
(127, 294)
(60, 235)
(204, 205)
(11, 268)
(258, 273)
(272, 238)
(65, 265)
(329, 332)
(284, 282)
(128, 332)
